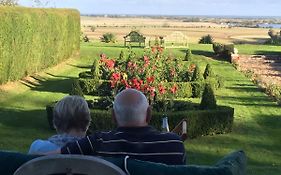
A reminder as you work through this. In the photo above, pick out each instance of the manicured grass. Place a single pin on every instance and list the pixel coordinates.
(256, 127)
(258, 49)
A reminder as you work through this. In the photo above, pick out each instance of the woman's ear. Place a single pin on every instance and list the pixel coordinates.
(148, 114)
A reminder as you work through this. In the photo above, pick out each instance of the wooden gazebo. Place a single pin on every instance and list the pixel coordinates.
(134, 37)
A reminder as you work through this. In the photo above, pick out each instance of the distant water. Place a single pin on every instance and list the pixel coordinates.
(275, 26)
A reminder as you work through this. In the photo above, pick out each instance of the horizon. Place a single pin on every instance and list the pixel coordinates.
(250, 8)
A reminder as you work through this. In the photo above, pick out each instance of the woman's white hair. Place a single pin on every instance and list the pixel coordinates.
(130, 107)
(71, 112)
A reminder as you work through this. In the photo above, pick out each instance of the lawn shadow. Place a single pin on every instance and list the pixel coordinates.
(81, 66)
(269, 53)
(24, 119)
(58, 84)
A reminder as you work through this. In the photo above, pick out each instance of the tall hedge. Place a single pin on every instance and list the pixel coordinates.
(34, 39)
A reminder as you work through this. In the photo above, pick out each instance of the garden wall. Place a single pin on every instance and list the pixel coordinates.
(34, 39)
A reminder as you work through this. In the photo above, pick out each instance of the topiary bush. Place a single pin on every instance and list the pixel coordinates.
(95, 70)
(208, 100)
(196, 74)
(208, 71)
(197, 88)
(76, 89)
(188, 55)
(108, 37)
(207, 39)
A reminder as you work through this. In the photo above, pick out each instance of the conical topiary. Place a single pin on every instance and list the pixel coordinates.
(208, 71)
(188, 55)
(76, 89)
(196, 76)
(95, 70)
(208, 100)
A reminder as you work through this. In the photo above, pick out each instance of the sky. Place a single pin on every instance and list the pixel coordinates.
(170, 7)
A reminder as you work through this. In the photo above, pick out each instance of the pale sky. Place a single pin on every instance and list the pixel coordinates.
(171, 7)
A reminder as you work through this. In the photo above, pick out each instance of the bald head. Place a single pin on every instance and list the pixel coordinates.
(131, 108)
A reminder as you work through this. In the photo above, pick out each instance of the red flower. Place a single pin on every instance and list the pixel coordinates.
(161, 89)
(112, 84)
(116, 76)
(153, 49)
(110, 63)
(150, 79)
(124, 82)
(160, 49)
(174, 89)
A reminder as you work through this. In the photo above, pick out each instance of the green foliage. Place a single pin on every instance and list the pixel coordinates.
(88, 86)
(86, 39)
(196, 74)
(108, 37)
(275, 37)
(95, 70)
(223, 51)
(85, 74)
(76, 89)
(199, 122)
(197, 88)
(208, 71)
(207, 39)
(188, 55)
(208, 100)
(34, 39)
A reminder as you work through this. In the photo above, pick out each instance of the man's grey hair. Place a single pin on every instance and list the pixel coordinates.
(130, 107)
(71, 112)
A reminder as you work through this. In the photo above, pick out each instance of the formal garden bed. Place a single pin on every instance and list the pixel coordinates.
(168, 83)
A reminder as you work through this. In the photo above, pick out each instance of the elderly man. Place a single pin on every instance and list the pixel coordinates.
(133, 137)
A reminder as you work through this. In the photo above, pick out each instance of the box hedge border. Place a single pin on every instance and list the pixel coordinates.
(199, 122)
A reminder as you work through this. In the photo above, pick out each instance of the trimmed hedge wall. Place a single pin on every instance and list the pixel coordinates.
(34, 39)
(199, 122)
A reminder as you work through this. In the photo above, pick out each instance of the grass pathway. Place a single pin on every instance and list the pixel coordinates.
(256, 128)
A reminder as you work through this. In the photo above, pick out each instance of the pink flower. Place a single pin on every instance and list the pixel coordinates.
(161, 89)
(174, 89)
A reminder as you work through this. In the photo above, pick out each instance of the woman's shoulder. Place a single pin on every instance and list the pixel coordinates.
(41, 146)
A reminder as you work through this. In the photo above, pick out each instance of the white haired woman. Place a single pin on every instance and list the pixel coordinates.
(71, 118)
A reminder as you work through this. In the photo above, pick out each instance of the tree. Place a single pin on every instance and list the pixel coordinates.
(207, 39)
(8, 2)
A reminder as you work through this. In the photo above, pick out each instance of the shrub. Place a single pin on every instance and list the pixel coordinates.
(208, 100)
(188, 55)
(108, 37)
(218, 48)
(196, 89)
(85, 74)
(184, 90)
(95, 70)
(199, 122)
(86, 39)
(208, 71)
(34, 39)
(207, 39)
(88, 86)
(196, 74)
(76, 89)
(93, 28)
(223, 51)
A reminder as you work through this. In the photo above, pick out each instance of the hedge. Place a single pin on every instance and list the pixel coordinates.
(199, 122)
(34, 39)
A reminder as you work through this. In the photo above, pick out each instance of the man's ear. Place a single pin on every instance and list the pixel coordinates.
(113, 116)
(148, 114)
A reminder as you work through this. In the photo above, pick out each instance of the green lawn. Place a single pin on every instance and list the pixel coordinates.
(257, 118)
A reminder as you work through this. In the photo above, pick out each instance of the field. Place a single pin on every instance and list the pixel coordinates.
(257, 117)
(164, 27)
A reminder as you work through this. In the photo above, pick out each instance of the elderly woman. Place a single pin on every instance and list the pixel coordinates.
(71, 121)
